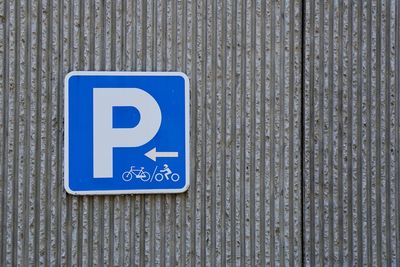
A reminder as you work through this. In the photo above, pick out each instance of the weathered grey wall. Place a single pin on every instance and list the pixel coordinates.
(244, 203)
(352, 133)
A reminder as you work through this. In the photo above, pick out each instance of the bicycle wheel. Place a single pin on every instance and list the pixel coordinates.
(126, 176)
(159, 177)
(146, 176)
(175, 177)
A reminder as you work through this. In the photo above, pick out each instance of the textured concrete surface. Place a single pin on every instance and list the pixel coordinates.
(351, 163)
(244, 203)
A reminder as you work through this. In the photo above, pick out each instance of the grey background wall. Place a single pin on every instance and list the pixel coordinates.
(295, 133)
(243, 60)
(352, 112)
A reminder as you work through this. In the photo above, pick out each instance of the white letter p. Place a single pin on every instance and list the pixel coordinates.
(105, 137)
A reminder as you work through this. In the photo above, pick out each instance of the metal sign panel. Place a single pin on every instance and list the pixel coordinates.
(126, 132)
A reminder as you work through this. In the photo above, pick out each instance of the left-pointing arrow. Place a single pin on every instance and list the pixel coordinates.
(153, 154)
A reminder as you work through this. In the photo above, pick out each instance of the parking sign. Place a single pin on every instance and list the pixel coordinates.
(126, 132)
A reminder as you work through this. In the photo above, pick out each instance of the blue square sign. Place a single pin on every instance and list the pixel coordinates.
(126, 132)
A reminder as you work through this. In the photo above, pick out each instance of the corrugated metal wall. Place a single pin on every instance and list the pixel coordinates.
(352, 133)
(244, 203)
(281, 175)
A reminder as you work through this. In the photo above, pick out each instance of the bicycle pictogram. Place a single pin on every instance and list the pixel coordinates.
(137, 173)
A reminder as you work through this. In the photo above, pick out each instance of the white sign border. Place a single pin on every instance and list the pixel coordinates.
(135, 191)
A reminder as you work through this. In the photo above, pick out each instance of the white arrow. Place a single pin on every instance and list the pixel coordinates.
(153, 154)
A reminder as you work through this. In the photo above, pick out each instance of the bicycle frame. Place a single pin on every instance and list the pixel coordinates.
(138, 173)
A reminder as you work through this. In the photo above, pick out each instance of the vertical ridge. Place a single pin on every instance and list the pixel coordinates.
(349, 166)
(27, 134)
(397, 90)
(340, 135)
(4, 158)
(59, 137)
(48, 158)
(38, 140)
(368, 137)
(302, 130)
(242, 148)
(16, 154)
(378, 136)
(321, 145)
(16, 150)
(387, 137)
(291, 148)
(203, 211)
(233, 133)
(69, 198)
(359, 137)
(312, 123)
(213, 195)
(282, 160)
(263, 133)
(272, 142)
(330, 134)
(223, 133)
(194, 112)
(252, 144)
